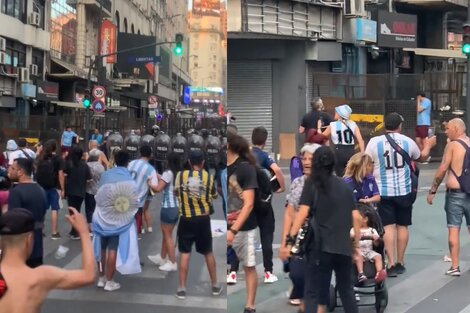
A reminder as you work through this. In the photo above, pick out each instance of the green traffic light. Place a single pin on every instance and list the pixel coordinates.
(466, 48)
(86, 103)
(178, 50)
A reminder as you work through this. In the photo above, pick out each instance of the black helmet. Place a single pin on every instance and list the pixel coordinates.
(114, 141)
(148, 140)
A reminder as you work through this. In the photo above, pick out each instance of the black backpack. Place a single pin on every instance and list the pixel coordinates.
(45, 174)
(464, 179)
(263, 194)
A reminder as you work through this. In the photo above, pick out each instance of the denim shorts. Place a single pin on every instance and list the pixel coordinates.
(169, 215)
(53, 199)
(457, 205)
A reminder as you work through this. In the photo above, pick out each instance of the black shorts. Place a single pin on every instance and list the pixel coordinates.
(396, 210)
(110, 243)
(195, 230)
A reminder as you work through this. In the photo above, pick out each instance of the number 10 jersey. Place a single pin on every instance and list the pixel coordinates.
(390, 170)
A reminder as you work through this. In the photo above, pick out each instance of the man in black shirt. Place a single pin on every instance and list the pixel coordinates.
(30, 196)
(315, 119)
(241, 220)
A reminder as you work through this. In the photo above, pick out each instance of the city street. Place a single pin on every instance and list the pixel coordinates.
(149, 291)
(422, 289)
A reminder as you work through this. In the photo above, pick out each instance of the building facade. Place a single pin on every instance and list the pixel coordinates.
(24, 47)
(59, 41)
(208, 43)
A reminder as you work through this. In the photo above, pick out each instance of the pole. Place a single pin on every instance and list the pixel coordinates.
(467, 94)
(87, 110)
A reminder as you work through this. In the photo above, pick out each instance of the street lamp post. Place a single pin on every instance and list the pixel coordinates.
(467, 94)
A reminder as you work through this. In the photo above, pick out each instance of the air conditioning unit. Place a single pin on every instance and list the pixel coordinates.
(354, 8)
(23, 74)
(35, 19)
(3, 57)
(34, 70)
(3, 44)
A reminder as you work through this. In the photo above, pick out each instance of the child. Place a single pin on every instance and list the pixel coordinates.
(369, 238)
(359, 176)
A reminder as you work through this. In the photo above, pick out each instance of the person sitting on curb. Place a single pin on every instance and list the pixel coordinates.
(24, 289)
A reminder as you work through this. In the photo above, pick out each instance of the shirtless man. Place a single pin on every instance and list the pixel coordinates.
(27, 288)
(457, 202)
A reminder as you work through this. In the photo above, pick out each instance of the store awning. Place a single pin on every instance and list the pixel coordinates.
(72, 105)
(437, 53)
(71, 70)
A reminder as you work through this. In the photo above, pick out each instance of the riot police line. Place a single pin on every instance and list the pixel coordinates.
(211, 142)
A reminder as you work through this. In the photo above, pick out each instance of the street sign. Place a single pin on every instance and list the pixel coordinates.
(98, 106)
(152, 99)
(99, 92)
(148, 59)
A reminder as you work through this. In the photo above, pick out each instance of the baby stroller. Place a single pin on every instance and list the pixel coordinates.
(368, 287)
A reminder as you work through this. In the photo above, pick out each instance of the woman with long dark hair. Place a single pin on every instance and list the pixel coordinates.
(49, 173)
(241, 219)
(77, 174)
(330, 204)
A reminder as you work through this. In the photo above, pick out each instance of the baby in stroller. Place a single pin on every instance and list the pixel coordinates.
(371, 232)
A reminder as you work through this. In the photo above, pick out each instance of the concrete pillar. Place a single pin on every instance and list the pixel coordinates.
(81, 35)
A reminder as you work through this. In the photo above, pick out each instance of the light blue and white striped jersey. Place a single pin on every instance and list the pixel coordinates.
(169, 198)
(341, 134)
(390, 170)
(141, 171)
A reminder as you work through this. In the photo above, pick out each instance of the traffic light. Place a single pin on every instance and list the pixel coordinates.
(178, 49)
(466, 39)
(86, 102)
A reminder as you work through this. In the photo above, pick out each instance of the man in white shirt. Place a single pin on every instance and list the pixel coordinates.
(394, 181)
(21, 153)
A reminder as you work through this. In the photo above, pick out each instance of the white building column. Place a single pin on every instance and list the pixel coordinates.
(81, 35)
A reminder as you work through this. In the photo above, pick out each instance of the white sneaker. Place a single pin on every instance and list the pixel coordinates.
(142, 231)
(169, 267)
(101, 282)
(150, 230)
(157, 259)
(111, 285)
(270, 278)
(232, 278)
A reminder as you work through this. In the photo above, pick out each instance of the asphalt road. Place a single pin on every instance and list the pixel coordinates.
(150, 291)
(422, 289)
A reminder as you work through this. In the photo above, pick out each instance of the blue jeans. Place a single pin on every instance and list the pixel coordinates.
(297, 275)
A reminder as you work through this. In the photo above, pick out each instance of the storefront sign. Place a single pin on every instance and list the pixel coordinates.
(47, 91)
(397, 30)
(28, 90)
(366, 30)
(108, 40)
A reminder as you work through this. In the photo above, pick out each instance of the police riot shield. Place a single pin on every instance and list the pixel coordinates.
(131, 145)
(178, 144)
(148, 140)
(213, 148)
(162, 147)
(113, 142)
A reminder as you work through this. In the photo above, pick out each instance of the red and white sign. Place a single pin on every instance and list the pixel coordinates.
(99, 92)
(108, 40)
(153, 102)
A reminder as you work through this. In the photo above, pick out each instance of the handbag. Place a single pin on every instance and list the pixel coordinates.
(309, 231)
(414, 170)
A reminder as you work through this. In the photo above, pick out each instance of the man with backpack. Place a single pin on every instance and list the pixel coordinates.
(263, 207)
(455, 163)
(396, 174)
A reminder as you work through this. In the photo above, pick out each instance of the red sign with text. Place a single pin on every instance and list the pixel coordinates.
(108, 40)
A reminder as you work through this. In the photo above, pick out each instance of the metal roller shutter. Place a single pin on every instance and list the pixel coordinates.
(249, 96)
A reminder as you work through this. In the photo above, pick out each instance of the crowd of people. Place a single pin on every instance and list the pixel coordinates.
(115, 196)
(349, 204)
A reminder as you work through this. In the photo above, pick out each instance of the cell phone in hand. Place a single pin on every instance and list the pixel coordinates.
(71, 212)
(431, 132)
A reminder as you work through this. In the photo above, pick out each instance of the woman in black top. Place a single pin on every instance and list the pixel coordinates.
(334, 212)
(77, 174)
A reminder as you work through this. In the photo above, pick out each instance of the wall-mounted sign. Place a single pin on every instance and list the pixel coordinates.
(108, 40)
(47, 91)
(366, 30)
(28, 90)
(397, 30)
